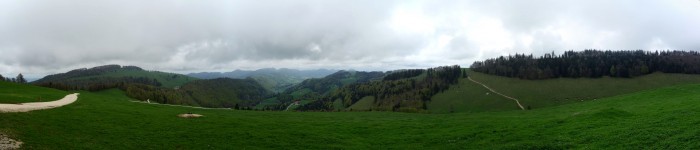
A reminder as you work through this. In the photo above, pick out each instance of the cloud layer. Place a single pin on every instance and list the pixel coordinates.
(44, 37)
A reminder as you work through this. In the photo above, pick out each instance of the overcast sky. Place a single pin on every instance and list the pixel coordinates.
(40, 37)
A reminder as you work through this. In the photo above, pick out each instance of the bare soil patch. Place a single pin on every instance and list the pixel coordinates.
(189, 115)
(7, 143)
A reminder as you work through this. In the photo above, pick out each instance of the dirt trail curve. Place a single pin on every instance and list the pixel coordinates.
(494, 91)
(290, 105)
(25, 107)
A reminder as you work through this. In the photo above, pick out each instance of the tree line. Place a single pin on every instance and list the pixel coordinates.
(97, 83)
(591, 63)
(402, 74)
(18, 79)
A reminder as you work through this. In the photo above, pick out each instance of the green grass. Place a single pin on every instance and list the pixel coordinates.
(553, 92)
(363, 104)
(663, 118)
(468, 96)
(12, 93)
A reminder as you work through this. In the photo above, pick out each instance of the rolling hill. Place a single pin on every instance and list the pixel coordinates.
(161, 87)
(112, 74)
(215, 93)
(662, 118)
(535, 94)
(401, 90)
(311, 89)
(224, 92)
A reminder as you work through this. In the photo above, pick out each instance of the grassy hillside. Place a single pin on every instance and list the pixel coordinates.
(546, 93)
(21, 93)
(468, 96)
(363, 104)
(658, 119)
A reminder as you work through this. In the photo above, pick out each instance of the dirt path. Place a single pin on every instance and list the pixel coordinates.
(494, 91)
(25, 107)
(290, 105)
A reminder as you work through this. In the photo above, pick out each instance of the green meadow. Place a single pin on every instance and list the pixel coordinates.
(662, 118)
(12, 93)
(470, 97)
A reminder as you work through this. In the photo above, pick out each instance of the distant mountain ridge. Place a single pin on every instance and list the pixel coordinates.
(276, 80)
(241, 74)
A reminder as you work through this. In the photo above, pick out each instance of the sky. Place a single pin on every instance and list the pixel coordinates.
(42, 37)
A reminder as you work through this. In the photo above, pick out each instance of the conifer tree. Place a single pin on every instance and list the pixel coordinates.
(20, 78)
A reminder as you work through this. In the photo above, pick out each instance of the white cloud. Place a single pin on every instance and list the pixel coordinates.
(44, 37)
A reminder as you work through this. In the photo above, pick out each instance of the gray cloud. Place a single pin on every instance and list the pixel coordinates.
(40, 37)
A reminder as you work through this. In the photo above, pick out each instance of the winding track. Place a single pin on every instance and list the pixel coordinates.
(290, 105)
(494, 91)
(25, 107)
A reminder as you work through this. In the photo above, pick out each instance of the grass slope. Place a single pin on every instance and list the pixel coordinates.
(12, 93)
(468, 96)
(363, 104)
(552, 92)
(658, 119)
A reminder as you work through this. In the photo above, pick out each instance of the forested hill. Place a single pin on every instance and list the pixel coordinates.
(315, 87)
(591, 63)
(404, 90)
(160, 87)
(221, 92)
(336, 80)
(312, 89)
(109, 76)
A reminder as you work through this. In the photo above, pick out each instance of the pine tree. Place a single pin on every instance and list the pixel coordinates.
(20, 79)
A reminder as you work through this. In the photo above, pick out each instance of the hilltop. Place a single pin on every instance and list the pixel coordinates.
(102, 77)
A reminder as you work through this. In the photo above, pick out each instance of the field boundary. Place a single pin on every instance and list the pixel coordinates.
(494, 91)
